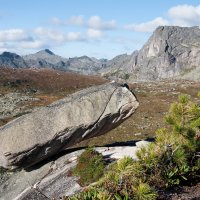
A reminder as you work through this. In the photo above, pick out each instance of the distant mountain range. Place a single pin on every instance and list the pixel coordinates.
(47, 59)
(171, 52)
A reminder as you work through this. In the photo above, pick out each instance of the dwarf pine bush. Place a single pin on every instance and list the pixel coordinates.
(172, 159)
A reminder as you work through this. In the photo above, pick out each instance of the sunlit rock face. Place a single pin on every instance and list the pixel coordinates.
(38, 135)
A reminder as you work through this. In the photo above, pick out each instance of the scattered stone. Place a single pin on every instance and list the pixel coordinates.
(138, 134)
(142, 143)
(9, 104)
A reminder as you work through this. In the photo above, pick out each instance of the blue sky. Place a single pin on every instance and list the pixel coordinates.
(97, 28)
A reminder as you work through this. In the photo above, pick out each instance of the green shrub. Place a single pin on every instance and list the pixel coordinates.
(90, 166)
(169, 158)
(91, 194)
(126, 76)
(2, 171)
(143, 191)
(172, 159)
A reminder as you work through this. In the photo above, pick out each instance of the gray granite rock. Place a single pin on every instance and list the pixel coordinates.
(12, 60)
(52, 180)
(46, 181)
(34, 137)
(13, 104)
(171, 52)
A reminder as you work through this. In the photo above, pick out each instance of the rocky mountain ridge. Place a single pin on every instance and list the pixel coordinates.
(171, 52)
(47, 59)
(12, 60)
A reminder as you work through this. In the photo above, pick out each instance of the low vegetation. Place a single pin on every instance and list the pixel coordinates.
(2, 171)
(173, 159)
(46, 85)
(90, 166)
(44, 81)
(3, 174)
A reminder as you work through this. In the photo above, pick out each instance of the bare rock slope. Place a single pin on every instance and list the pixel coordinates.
(171, 52)
(46, 59)
(41, 134)
(53, 179)
(12, 60)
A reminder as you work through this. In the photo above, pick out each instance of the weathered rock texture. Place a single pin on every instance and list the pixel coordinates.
(12, 60)
(53, 180)
(171, 52)
(47, 181)
(46, 59)
(11, 104)
(88, 113)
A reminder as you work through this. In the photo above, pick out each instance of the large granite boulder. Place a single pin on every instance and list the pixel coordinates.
(43, 133)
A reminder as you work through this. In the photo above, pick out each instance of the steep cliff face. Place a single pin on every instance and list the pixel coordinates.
(170, 52)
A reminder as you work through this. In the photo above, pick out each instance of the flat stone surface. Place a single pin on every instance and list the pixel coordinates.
(32, 194)
(52, 179)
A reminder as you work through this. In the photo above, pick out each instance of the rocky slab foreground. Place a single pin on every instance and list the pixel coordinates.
(53, 180)
(85, 114)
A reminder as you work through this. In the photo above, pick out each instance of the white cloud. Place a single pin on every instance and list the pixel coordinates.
(73, 36)
(57, 36)
(76, 20)
(36, 44)
(73, 20)
(2, 44)
(13, 35)
(180, 15)
(56, 21)
(95, 22)
(94, 34)
(147, 26)
(50, 34)
(3, 47)
(18, 39)
(185, 15)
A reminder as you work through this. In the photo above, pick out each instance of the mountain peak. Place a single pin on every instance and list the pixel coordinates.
(46, 51)
(9, 54)
(49, 52)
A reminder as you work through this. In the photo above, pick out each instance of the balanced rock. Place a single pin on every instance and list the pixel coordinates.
(38, 135)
